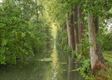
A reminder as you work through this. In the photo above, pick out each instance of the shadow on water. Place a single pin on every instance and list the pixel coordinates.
(63, 74)
(34, 71)
(44, 69)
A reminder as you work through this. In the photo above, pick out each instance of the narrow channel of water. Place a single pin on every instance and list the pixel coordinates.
(54, 64)
(44, 69)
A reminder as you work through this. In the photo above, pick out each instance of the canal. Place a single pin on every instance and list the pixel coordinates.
(40, 69)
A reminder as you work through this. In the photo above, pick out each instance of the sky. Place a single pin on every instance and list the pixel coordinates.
(109, 23)
(0, 1)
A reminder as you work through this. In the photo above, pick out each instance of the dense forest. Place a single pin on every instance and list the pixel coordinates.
(55, 39)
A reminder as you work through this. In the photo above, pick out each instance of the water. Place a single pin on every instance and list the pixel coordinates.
(34, 71)
(44, 69)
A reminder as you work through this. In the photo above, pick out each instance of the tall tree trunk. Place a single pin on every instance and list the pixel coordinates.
(80, 22)
(98, 46)
(80, 27)
(76, 28)
(71, 42)
(95, 53)
(70, 32)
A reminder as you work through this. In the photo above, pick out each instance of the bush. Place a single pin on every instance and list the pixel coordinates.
(21, 38)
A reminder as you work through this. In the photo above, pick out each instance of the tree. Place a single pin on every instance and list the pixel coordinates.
(23, 36)
(71, 42)
(96, 56)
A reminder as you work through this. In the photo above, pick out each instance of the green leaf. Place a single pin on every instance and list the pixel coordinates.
(4, 42)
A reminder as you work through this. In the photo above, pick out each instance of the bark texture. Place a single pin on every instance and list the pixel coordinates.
(71, 43)
(70, 32)
(97, 61)
(74, 30)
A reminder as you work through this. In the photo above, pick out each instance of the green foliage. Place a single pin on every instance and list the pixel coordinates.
(104, 37)
(21, 35)
(97, 7)
(62, 43)
(58, 9)
(85, 70)
(107, 40)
